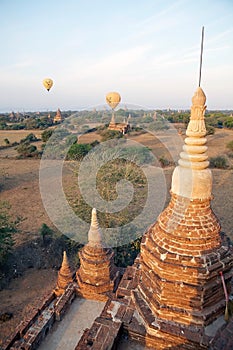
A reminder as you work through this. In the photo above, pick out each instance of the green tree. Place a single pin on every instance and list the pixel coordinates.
(46, 135)
(60, 134)
(29, 138)
(71, 139)
(45, 231)
(31, 123)
(7, 228)
(78, 151)
(45, 122)
(110, 134)
(27, 150)
(7, 142)
(228, 123)
(210, 130)
(3, 125)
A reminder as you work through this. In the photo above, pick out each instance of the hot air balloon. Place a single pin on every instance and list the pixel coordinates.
(48, 83)
(113, 99)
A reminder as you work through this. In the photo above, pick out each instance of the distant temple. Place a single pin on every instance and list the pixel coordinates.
(12, 116)
(58, 117)
(122, 127)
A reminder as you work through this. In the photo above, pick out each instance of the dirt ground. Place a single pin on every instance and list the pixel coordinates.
(17, 135)
(22, 295)
(19, 186)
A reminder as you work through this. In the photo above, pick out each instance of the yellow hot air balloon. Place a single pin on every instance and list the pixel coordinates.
(113, 99)
(48, 83)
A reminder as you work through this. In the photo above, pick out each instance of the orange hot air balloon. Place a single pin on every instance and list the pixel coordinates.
(48, 83)
(113, 99)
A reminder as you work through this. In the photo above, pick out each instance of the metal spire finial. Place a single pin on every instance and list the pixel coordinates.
(202, 40)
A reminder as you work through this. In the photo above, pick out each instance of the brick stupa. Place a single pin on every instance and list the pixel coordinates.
(64, 276)
(122, 127)
(58, 117)
(97, 273)
(179, 296)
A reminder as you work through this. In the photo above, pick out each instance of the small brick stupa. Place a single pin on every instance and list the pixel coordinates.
(122, 127)
(180, 296)
(97, 272)
(64, 276)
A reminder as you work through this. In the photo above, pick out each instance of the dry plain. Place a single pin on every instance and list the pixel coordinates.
(19, 180)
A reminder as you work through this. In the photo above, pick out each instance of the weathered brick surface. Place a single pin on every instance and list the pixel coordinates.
(64, 301)
(65, 276)
(101, 336)
(18, 338)
(181, 257)
(97, 273)
(36, 332)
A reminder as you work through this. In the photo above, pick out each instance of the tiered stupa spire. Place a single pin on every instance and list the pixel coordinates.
(97, 272)
(180, 295)
(95, 234)
(192, 178)
(112, 121)
(64, 276)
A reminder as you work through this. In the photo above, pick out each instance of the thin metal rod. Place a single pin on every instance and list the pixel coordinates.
(202, 40)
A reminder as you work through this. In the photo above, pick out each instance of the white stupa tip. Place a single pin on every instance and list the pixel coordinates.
(94, 234)
(199, 97)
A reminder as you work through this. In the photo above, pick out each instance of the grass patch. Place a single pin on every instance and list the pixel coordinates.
(219, 162)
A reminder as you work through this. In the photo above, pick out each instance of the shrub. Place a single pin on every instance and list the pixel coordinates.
(7, 142)
(165, 162)
(45, 231)
(46, 135)
(110, 134)
(126, 254)
(219, 162)
(228, 123)
(78, 151)
(230, 145)
(7, 228)
(29, 138)
(210, 130)
(27, 150)
(60, 134)
(3, 125)
(71, 139)
(148, 119)
(141, 155)
(94, 143)
(158, 125)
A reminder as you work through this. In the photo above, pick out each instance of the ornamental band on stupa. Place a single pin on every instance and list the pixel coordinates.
(179, 295)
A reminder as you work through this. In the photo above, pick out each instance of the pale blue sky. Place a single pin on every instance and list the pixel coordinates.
(146, 50)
